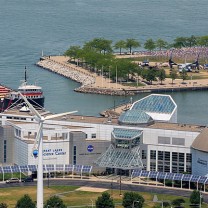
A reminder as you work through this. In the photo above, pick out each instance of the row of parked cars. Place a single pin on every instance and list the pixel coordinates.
(17, 180)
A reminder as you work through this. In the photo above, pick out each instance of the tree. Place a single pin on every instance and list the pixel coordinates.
(195, 197)
(25, 202)
(3, 205)
(119, 45)
(192, 41)
(180, 42)
(161, 44)
(178, 202)
(173, 75)
(104, 201)
(151, 75)
(161, 75)
(73, 52)
(149, 45)
(203, 41)
(54, 202)
(132, 43)
(132, 199)
(184, 75)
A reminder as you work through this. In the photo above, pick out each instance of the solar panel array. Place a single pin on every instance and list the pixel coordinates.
(169, 176)
(155, 103)
(47, 168)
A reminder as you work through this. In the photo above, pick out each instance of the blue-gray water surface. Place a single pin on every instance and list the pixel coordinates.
(28, 28)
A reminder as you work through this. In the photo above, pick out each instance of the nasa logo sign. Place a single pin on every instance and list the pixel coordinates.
(90, 148)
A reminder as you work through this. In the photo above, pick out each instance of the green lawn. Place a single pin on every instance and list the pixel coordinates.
(73, 197)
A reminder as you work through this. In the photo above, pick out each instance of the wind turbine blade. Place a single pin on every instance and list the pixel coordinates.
(59, 115)
(37, 136)
(30, 106)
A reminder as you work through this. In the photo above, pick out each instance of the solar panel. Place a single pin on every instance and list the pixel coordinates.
(50, 167)
(32, 168)
(186, 177)
(170, 176)
(161, 175)
(69, 168)
(15, 169)
(144, 173)
(23, 168)
(136, 173)
(202, 179)
(7, 169)
(178, 176)
(195, 178)
(86, 168)
(78, 168)
(59, 167)
(153, 174)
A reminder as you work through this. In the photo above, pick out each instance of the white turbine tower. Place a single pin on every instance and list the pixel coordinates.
(39, 150)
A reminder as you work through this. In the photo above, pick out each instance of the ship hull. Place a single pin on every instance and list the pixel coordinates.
(8, 103)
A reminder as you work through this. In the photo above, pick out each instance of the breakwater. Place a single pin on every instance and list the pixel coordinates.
(90, 82)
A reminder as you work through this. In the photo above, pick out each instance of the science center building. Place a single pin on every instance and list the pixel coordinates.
(145, 137)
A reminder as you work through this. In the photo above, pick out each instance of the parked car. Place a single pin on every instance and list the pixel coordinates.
(13, 180)
(28, 179)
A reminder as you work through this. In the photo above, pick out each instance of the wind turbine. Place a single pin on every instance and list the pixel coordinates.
(38, 151)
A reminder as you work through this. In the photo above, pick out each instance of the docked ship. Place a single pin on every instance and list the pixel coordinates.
(33, 93)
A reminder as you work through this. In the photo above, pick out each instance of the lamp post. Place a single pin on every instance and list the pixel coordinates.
(135, 201)
(120, 186)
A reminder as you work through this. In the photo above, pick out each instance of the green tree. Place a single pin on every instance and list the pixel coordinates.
(161, 44)
(132, 43)
(203, 41)
(54, 202)
(180, 42)
(184, 75)
(151, 75)
(25, 202)
(73, 52)
(192, 41)
(121, 44)
(149, 45)
(173, 75)
(3, 205)
(195, 197)
(104, 201)
(100, 44)
(178, 202)
(132, 199)
(161, 75)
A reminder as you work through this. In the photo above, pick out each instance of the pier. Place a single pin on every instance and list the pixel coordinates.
(97, 84)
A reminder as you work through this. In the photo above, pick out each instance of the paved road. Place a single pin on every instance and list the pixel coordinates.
(108, 185)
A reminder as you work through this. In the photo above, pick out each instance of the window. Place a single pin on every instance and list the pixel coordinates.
(93, 136)
(144, 154)
(188, 157)
(160, 155)
(75, 156)
(152, 166)
(178, 141)
(174, 156)
(163, 140)
(181, 157)
(153, 154)
(167, 156)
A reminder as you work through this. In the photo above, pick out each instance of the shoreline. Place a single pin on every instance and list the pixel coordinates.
(95, 84)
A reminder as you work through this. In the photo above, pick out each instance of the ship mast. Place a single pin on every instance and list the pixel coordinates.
(25, 75)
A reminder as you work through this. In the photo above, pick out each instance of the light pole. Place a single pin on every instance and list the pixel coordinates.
(120, 186)
(135, 201)
(92, 203)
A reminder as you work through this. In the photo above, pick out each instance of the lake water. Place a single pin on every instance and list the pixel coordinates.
(29, 27)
